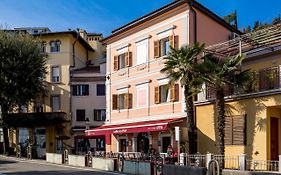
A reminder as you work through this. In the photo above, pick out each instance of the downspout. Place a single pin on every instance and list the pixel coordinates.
(70, 73)
(195, 21)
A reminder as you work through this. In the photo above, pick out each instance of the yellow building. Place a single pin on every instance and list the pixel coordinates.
(253, 118)
(47, 124)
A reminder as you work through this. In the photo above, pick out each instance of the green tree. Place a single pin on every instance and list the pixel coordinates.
(179, 67)
(232, 19)
(221, 74)
(22, 73)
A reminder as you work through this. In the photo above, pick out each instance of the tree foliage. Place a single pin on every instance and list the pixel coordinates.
(222, 74)
(179, 67)
(22, 71)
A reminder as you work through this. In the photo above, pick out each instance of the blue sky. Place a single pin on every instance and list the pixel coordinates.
(103, 16)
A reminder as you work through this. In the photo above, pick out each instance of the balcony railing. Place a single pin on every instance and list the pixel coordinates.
(262, 80)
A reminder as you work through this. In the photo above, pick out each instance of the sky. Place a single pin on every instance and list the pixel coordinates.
(103, 16)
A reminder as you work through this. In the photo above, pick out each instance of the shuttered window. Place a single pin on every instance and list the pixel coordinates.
(162, 47)
(235, 130)
(166, 93)
(122, 101)
(122, 61)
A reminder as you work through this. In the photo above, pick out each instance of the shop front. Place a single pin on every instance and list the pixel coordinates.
(140, 136)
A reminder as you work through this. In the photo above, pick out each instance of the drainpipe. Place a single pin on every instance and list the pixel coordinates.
(70, 89)
(195, 21)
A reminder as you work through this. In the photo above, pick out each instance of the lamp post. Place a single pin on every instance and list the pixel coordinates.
(87, 123)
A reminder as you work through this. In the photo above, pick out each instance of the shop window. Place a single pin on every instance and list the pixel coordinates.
(122, 101)
(166, 93)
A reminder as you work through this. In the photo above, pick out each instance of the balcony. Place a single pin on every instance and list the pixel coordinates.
(36, 119)
(263, 81)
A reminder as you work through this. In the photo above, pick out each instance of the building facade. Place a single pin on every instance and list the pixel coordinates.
(47, 125)
(142, 109)
(252, 124)
(88, 106)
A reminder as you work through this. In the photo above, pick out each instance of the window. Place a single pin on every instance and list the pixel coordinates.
(80, 90)
(99, 115)
(122, 101)
(162, 47)
(55, 103)
(122, 61)
(55, 46)
(142, 51)
(166, 93)
(55, 70)
(100, 89)
(43, 47)
(142, 95)
(1, 135)
(235, 130)
(80, 115)
(23, 136)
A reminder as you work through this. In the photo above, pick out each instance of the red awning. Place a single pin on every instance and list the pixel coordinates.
(148, 126)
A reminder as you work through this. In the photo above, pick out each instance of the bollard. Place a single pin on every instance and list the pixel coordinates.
(242, 162)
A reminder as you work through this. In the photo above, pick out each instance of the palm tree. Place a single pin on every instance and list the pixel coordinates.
(221, 74)
(179, 67)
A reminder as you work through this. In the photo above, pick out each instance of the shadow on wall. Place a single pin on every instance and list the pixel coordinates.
(206, 144)
(255, 110)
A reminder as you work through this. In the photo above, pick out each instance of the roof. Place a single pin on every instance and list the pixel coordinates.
(268, 38)
(94, 34)
(73, 33)
(167, 8)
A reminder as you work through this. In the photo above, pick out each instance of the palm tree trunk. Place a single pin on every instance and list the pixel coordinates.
(191, 146)
(220, 110)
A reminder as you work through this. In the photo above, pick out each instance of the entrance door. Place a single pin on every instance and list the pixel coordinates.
(40, 134)
(122, 146)
(274, 138)
(142, 143)
(166, 141)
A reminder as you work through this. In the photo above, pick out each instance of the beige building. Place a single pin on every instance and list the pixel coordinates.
(47, 125)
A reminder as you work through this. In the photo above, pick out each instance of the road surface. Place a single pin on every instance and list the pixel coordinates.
(13, 166)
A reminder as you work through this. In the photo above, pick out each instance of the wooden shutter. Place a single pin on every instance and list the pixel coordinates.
(128, 59)
(228, 130)
(172, 41)
(157, 95)
(156, 49)
(128, 101)
(174, 92)
(239, 130)
(116, 63)
(115, 102)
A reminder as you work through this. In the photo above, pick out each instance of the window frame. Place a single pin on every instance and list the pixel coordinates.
(52, 74)
(97, 92)
(77, 90)
(59, 102)
(99, 118)
(83, 112)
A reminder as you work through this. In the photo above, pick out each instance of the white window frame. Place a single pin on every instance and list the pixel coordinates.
(143, 44)
(57, 78)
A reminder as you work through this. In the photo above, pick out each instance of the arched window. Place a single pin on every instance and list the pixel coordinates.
(55, 46)
(43, 46)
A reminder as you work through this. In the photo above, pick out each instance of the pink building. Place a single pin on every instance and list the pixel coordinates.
(142, 109)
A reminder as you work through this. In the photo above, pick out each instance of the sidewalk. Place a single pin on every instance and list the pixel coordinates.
(44, 162)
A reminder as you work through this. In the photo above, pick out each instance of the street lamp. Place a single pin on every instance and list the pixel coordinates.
(87, 123)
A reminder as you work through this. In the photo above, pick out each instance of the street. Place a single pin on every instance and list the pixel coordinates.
(12, 166)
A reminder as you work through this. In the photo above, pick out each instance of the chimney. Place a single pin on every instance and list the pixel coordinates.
(82, 33)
